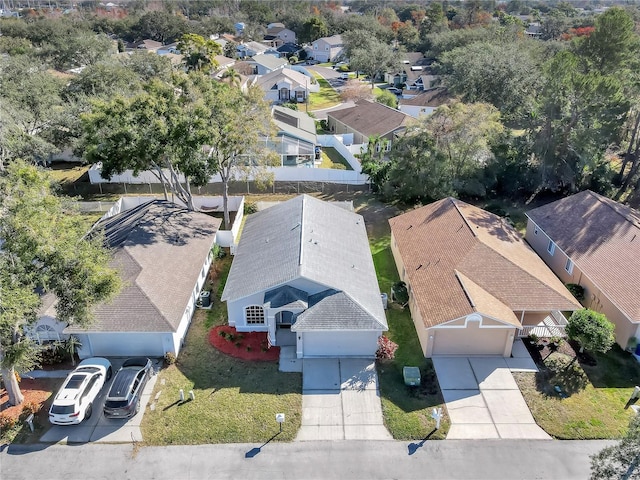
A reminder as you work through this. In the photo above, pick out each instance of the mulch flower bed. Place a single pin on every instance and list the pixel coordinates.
(251, 346)
(36, 393)
(543, 348)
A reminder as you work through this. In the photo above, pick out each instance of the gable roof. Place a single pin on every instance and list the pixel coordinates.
(270, 61)
(460, 259)
(434, 97)
(159, 250)
(334, 310)
(333, 41)
(306, 238)
(602, 238)
(371, 118)
(295, 124)
(268, 81)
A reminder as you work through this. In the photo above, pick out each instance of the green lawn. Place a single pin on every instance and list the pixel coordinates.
(596, 397)
(332, 159)
(327, 96)
(406, 411)
(235, 401)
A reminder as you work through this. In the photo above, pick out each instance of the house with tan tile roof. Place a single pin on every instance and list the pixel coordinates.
(474, 284)
(592, 241)
(368, 119)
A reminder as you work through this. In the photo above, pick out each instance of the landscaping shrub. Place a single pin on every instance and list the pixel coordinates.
(400, 293)
(386, 349)
(219, 252)
(344, 68)
(31, 407)
(169, 358)
(6, 422)
(52, 353)
(576, 290)
(533, 338)
(250, 207)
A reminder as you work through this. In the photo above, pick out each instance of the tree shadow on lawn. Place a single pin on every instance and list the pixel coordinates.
(614, 369)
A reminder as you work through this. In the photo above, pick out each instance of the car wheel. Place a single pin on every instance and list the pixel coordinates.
(109, 373)
(88, 412)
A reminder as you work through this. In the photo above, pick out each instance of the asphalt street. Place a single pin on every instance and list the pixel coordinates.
(448, 459)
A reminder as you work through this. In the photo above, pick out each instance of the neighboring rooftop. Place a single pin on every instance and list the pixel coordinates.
(271, 79)
(270, 61)
(309, 238)
(295, 123)
(159, 250)
(434, 97)
(371, 118)
(460, 259)
(602, 238)
(334, 40)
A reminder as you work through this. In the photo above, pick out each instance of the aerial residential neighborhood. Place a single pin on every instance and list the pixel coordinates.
(343, 239)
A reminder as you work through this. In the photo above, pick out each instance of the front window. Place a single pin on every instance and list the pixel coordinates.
(254, 315)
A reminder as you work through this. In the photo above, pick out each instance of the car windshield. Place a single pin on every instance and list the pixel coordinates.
(115, 403)
(62, 409)
(75, 381)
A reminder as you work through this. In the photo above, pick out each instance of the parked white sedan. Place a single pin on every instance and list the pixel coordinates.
(74, 401)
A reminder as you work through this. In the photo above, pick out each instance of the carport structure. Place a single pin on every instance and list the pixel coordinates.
(473, 283)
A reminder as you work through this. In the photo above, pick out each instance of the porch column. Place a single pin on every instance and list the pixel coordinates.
(299, 345)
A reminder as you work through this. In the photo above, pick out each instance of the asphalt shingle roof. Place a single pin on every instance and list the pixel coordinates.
(371, 118)
(159, 250)
(333, 310)
(602, 238)
(460, 259)
(306, 237)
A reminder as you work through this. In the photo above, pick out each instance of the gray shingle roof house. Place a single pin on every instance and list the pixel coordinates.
(474, 284)
(304, 266)
(163, 254)
(594, 241)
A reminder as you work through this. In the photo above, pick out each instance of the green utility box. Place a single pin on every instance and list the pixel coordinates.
(411, 376)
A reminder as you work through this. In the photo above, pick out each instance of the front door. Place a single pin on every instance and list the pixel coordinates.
(284, 335)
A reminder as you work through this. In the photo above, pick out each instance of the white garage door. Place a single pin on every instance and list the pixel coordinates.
(466, 341)
(340, 344)
(126, 344)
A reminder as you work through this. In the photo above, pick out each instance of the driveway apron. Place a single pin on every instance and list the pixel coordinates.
(341, 401)
(483, 399)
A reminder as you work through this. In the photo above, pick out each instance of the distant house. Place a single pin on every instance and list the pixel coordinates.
(251, 49)
(413, 65)
(592, 241)
(368, 119)
(239, 27)
(287, 49)
(327, 49)
(148, 45)
(163, 254)
(533, 30)
(296, 139)
(171, 48)
(285, 85)
(425, 103)
(224, 63)
(267, 63)
(474, 284)
(303, 273)
(278, 34)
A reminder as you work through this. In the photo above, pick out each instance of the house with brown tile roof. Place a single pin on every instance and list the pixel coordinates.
(368, 119)
(592, 241)
(425, 103)
(474, 284)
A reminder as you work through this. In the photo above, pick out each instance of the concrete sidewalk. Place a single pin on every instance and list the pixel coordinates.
(341, 401)
(483, 400)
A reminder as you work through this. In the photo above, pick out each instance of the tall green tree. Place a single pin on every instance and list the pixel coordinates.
(159, 130)
(313, 29)
(592, 330)
(44, 246)
(234, 123)
(374, 60)
(198, 53)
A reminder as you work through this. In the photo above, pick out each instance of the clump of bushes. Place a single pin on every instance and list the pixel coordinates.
(169, 358)
(576, 290)
(250, 207)
(52, 353)
(386, 348)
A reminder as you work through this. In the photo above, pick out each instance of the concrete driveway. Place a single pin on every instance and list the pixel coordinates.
(341, 401)
(483, 399)
(98, 428)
